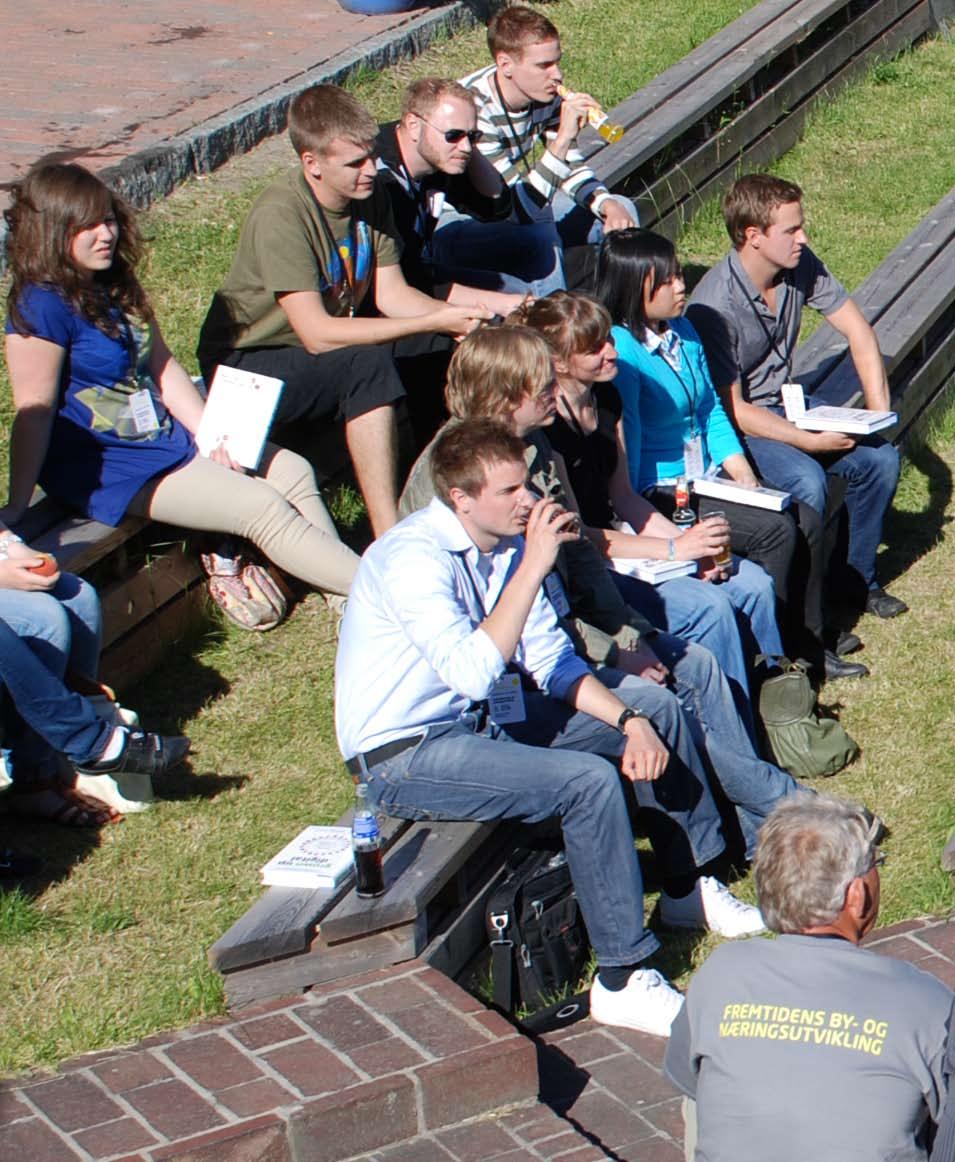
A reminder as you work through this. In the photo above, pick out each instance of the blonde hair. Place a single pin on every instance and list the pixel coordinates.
(494, 370)
(319, 115)
(570, 323)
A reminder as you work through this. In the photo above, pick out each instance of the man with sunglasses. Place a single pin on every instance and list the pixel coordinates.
(808, 1046)
(316, 297)
(428, 160)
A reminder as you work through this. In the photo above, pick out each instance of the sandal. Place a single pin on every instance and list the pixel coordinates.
(245, 593)
(60, 803)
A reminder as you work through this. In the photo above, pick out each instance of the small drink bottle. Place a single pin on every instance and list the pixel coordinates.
(366, 847)
(598, 119)
(683, 516)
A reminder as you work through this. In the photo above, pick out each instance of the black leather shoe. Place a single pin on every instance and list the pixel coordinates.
(847, 643)
(836, 668)
(883, 604)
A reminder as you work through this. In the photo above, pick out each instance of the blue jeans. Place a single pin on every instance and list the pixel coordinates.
(732, 620)
(63, 630)
(58, 719)
(871, 471)
(512, 256)
(460, 771)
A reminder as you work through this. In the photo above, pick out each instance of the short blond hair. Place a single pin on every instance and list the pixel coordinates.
(494, 370)
(514, 28)
(423, 96)
(319, 115)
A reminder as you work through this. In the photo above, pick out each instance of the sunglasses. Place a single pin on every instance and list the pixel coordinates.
(453, 136)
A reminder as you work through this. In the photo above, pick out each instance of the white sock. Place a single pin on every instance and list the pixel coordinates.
(114, 748)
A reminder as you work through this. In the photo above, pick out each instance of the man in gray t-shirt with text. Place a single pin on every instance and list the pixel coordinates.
(748, 311)
(807, 1046)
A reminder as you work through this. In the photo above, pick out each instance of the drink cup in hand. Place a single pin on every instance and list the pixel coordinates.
(724, 557)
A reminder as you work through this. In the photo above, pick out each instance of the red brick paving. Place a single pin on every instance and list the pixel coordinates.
(99, 81)
(357, 1071)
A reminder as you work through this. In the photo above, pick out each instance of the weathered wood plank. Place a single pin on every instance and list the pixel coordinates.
(283, 920)
(130, 658)
(688, 107)
(416, 869)
(294, 974)
(127, 603)
(689, 69)
(683, 179)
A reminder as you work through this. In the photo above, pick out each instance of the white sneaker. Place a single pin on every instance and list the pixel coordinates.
(648, 1003)
(713, 906)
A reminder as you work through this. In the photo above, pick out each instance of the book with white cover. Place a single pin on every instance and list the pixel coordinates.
(653, 572)
(721, 489)
(318, 857)
(238, 414)
(851, 421)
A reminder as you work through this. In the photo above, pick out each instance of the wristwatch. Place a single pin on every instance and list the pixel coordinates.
(625, 717)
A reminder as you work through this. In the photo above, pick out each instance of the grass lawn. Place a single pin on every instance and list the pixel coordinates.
(114, 946)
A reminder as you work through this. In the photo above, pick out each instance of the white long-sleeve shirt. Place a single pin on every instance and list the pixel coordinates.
(411, 652)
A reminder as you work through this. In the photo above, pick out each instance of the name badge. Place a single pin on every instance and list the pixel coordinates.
(554, 589)
(144, 412)
(693, 456)
(506, 700)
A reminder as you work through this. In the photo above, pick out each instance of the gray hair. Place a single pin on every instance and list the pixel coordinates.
(810, 850)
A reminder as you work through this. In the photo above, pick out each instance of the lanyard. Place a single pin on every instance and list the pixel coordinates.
(510, 125)
(692, 397)
(771, 336)
(338, 270)
(132, 352)
(422, 217)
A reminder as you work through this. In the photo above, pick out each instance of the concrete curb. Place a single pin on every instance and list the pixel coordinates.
(144, 177)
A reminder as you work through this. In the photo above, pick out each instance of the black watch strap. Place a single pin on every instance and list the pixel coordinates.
(625, 717)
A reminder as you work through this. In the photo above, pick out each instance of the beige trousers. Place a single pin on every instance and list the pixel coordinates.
(279, 509)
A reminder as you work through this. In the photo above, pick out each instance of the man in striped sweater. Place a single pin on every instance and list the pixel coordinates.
(529, 134)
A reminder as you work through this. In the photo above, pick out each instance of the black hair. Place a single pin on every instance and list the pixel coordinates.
(627, 258)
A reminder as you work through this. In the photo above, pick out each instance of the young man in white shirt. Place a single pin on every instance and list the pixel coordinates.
(445, 616)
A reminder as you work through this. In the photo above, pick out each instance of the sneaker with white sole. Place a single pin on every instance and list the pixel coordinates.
(711, 905)
(647, 1002)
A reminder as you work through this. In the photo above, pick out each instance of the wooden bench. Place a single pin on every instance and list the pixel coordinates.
(741, 99)
(149, 581)
(910, 301)
(437, 875)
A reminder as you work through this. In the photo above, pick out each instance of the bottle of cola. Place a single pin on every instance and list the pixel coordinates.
(366, 847)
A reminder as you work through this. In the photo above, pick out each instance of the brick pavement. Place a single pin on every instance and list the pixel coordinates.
(178, 84)
(396, 1066)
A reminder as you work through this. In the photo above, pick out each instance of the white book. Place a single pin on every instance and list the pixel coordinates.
(851, 421)
(318, 857)
(653, 572)
(238, 414)
(721, 489)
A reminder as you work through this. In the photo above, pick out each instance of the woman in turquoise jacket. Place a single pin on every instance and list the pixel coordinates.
(674, 425)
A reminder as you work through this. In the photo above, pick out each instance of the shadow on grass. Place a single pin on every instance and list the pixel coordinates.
(910, 535)
(179, 689)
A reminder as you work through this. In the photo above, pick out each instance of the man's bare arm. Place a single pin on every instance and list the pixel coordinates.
(850, 322)
(752, 420)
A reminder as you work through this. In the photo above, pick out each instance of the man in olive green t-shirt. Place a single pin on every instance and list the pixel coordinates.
(316, 297)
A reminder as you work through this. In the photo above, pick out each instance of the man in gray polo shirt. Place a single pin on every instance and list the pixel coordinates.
(748, 310)
(808, 1046)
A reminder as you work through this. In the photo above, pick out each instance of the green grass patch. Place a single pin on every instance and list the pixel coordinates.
(113, 946)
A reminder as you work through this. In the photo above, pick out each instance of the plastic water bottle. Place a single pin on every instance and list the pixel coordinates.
(366, 847)
(607, 129)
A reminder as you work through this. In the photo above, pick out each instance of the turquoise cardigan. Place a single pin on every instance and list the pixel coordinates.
(657, 416)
